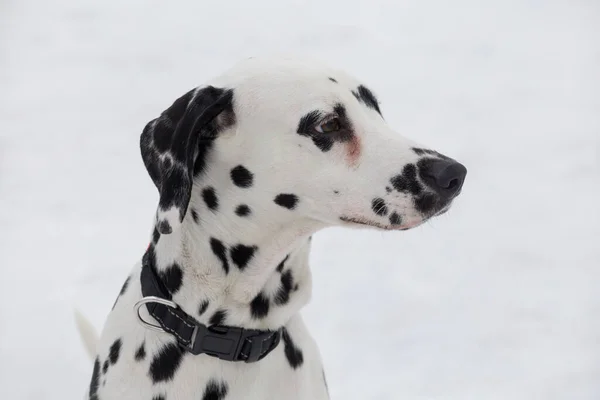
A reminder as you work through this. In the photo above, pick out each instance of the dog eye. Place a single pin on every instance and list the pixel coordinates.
(329, 126)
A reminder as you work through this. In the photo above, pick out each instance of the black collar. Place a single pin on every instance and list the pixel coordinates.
(225, 342)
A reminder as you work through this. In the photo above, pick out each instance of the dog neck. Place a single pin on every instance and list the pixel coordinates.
(222, 268)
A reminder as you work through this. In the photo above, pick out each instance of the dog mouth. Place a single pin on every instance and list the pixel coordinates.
(374, 224)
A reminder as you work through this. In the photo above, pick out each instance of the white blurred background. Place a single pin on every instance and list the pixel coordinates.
(498, 299)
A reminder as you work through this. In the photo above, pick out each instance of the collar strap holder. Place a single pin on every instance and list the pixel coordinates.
(228, 343)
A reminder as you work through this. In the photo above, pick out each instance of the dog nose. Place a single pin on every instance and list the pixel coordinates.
(446, 177)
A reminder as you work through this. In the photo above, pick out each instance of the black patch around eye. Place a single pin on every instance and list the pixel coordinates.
(286, 200)
(165, 363)
(210, 198)
(292, 353)
(95, 382)
(243, 210)
(140, 353)
(195, 216)
(323, 143)
(172, 278)
(308, 122)
(219, 250)
(259, 306)
(241, 177)
(218, 317)
(203, 307)
(215, 390)
(105, 366)
(242, 254)
(379, 207)
(367, 97)
(395, 219)
(333, 80)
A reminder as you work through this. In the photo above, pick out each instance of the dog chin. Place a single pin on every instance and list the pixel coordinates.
(363, 222)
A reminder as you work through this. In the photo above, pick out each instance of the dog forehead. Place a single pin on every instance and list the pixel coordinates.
(286, 80)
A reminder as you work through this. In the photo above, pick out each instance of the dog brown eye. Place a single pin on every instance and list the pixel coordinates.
(329, 126)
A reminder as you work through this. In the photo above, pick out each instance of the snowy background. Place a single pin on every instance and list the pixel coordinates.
(498, 299)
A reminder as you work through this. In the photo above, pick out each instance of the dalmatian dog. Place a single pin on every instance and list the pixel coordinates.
(248, 167)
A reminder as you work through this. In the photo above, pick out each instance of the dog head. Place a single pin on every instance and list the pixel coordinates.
(293, 140)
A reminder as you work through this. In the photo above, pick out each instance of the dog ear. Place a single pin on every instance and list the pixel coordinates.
(174, 146)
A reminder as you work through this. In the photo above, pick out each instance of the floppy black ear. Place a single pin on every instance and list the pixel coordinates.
(173, 147)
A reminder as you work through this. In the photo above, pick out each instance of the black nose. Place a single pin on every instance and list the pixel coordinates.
(446, 177)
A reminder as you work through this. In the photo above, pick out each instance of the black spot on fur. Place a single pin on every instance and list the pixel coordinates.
(425, 203)
(336, 192)
(367, 97)
(172, 277)
(282, 263)
(332, 80)
(95, 382)
(219, 250)
(243, 210)
(379, 207)
(218, 317)
(215, 390)
(388, 189)
(241, 177)
(165, 363)
(407, 181)
(292, 353)
(203, 307)
(105, 366)
(140, 353)
(242, 254)
(259, 307)
(210, 198)
(114, 351)
(195, 216)
(159, 397)
(287, 284)
(165, 227)
(395, 219)
(286, 200)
